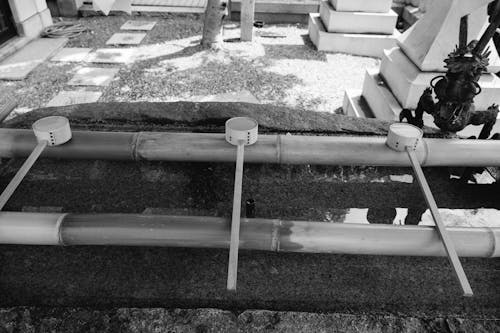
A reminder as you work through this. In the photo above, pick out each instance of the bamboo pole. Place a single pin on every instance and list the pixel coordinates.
(232, 272)
(21, 173)
(283, 149)
(256, 234)
(447, 242)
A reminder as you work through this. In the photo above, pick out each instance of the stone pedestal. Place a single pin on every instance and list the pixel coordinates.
(355, 27)
(407, 82)
(408, 69)
(30, 16)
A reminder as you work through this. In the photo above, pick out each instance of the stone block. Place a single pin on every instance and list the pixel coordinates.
(369, 23)
(22, 9)
(40, 5)
(408, 82)
(46, 18)
(357, 44)
(31, 27)
(374, 6)
(429, 41)
(379, 97)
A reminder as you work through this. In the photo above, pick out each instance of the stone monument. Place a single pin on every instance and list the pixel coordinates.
(354, 26)
(407, 70)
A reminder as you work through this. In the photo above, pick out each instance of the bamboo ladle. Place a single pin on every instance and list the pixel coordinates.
(49, 131)
(241, 132)
(405, 137)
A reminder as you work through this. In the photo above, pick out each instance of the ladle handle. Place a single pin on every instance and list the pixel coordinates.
(21, 173)
(443, 233)
(232, 272)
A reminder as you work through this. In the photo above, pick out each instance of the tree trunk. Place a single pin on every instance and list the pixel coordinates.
(214, 14)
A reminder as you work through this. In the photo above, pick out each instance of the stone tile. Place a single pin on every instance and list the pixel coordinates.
(138, 25)
(126, 39)
(74, 97)
(112, 56)
(21, 63)
(92, 76)
(72, 54)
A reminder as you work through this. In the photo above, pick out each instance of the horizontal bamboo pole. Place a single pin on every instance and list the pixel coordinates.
(256, 234)
(286, 149)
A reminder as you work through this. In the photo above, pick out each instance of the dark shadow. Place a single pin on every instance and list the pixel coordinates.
(414, 216)
(381, 215)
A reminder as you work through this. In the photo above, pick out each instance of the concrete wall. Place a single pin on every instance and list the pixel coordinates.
(30, 16)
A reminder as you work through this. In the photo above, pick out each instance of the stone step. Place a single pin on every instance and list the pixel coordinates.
(354, 104)
(370, 45)
(379, 97)
(369, 23)
(373, 6)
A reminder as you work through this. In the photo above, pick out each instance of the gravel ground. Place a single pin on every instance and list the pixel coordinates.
(284, 71)
(213, 320)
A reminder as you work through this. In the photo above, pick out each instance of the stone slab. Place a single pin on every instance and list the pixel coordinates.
(74, 97)
(138, 25)
(369, 23)
(370, 45)
(379, 98)
(126, 39)
(21, 63)
(429, 41)
(113, 56)
(374, 6)
(92, 76)
(408, 82)
(72, 54)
